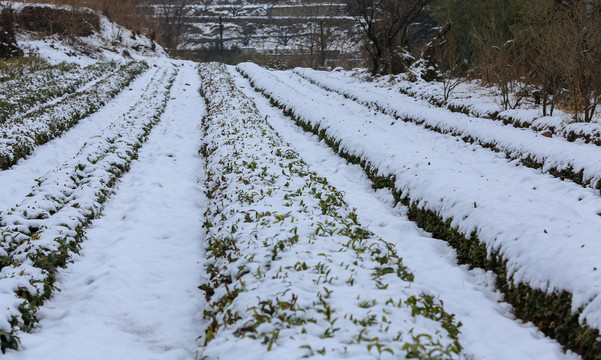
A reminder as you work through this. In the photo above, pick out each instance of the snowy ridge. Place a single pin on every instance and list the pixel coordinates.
(40, 234)
(290, 272)
(473, 99)
(24, 93)
(19, 138)
(578, 162)
(526, 218)
(20, 178)
(480, 104)
(33, 80)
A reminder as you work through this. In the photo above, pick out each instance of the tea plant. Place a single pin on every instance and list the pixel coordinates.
(567, 165)
(552, 310)
(290, 271)
(16, 67)
(19, 138)
(39, 235)
(24, 93)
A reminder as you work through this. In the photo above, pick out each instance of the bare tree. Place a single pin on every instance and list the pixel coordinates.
(248, 30)
(540, 29)
(285, 31)
(581, 37)
(236, 7)
(386, 26)
(502, 57)
(441, 61)
(324, 41)
(309, 12)
(555, 46)
(269, 7)
(221, 28)
(172, 19)
(321, 29)
(284, 35)
(206, 4)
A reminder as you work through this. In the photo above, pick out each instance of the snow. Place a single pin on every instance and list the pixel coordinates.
(546, 228)
(22, 134)
(113, 42)
(483, 101)
(470, 295)
(468, 96)
(295, 253)
(19, 179)
(270, 24)
(132, 291)
(48, 86)
(41, 232)
(553, 153)
(287, 263)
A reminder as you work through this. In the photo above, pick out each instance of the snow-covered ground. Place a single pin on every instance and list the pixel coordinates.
(549, 154)
(168, 223)
(132, 291)
(112, 42)
(470, 295)
(20, 178)
(544, 228)
(476, 100)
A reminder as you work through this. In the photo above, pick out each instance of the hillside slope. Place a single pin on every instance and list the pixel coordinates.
(91, 37)
(314, 32)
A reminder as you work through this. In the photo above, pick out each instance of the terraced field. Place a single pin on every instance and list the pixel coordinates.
(198, 211)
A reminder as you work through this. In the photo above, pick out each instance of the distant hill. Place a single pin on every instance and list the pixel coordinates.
(314, 33)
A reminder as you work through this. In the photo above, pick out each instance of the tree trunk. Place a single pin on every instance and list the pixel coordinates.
(545, 99)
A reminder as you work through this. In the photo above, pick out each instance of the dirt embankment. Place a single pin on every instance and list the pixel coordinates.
(51, 21)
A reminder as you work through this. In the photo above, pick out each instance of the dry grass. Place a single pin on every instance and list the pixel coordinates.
(123, 12)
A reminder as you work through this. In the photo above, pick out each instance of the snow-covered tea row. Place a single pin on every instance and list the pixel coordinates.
(290, 272)
(578, 162)
(475, 100)
(23, 94)
(13, 68)
(40, 233)
(36, 79)
(468, 98)
(19, 138)
(472, 99)
(498, 215)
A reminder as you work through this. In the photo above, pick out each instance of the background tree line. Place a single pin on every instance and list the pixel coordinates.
(547, 49)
